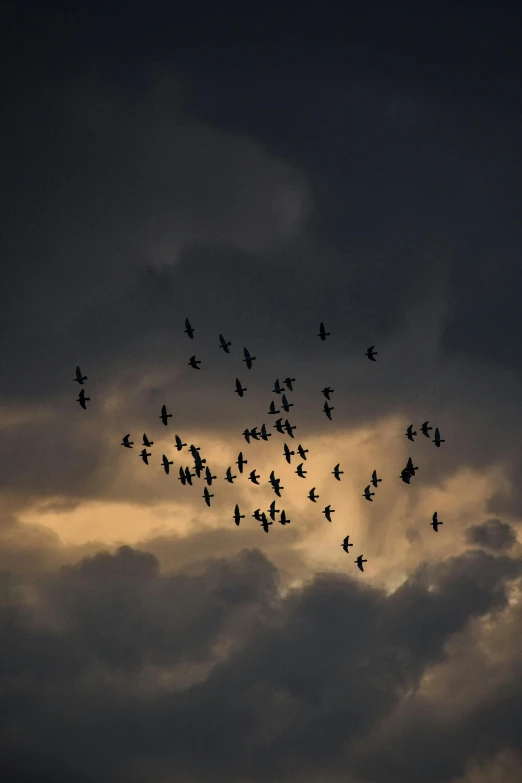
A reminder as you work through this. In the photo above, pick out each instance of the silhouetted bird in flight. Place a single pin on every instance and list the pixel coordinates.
(179, 443)
(208, 476)
(345, 545)
(337, 473)
(371, 354)
(265, 523)
(322, 333)
(164, 415)
(283, 518)
(289, 382)
(276, 484)
(240, 390)
(253, 476)
(300, 472)
(288, 454)
(126, 442)
(254, 433)
(312, 496)
(182, 476)
(79, 377)
(285, 404)
(435, 522)
(406, 475)
(248, 358)
(264, 434)
(273, 510)
(327, 391)
(279, 426)
(195, 362)
(237, 516)
(273, 408)
(425, 429)
(360, 562)
(277, 388)
(229, 477)
(327, 512)
(302, 452)
(241, 462)
(257, 514)
(82, 399)
(411, 467)
(146, 441)
(223, 344)
(375, 480)
(188, 329)
(290, 428)
(328, 410)
(198, 467)
(246, 435)
(207, 495)
(189, 476)
(410, 433)
(194, 450)
(367, 494)
(144, 454)
(166, 463)
(437, 440)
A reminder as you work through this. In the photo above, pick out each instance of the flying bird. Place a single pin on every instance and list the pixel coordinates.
(223, 344)
(189, 476)
(182, 476)
(229, 477)
(288, 454)
(283, 518)
(195, 363)
(345, 544)
(337, 473)
(241, 462)
(285, 404)
(264, 434)
(207, 495)
(82, 399)
(322, 333)
(437, 440)
(179, 443)
(144, 454)
(279, 427)
(302, 452)
(289, 428)
(327, 512)
(277, 388)
(246, 435)
(146, 441)
(253, 476)
(240, 390)
(360, 562)
(79, 377)
(208, 476)
(257, 514)
(375, 480)
(300, 472)
(273, 510)
(312, 496)
(406, 475)
(411, 467)
(367, 494)
(328, 410)
(327, 391)
(265, 523)
(410, 433)
(126, 442)
(237, 516)
(165, 462)
(272, 408)
(435, 522)
(289, 382)
(371, 354)
(248, 358)
(188, 329)
(164, 415)
(425, 429)
(254, 433)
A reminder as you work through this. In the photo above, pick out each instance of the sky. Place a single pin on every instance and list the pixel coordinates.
(260, 171)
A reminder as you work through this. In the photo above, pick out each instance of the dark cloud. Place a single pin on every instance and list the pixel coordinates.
(493, 533)
(301, 678)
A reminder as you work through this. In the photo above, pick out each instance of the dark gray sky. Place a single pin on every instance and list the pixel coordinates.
(260, 171)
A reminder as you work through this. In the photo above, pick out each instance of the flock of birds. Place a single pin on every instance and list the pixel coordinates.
(269, 517)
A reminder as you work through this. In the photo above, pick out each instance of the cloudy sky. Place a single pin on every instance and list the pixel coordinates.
(260, 171)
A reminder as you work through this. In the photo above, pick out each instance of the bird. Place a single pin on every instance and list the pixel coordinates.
(147, 442)
(410, 433)
(273, 510)
(126, 442)
(360, 562)
(208, 476)
(327, 391)
(253, 476)
(283, 518)
(435, 522)
(406, 475)
(223, 344)
(300, 472)
(371, 354)
(240, 390)
(229, 477)
(425, 429)
(375, 480)
(82, 399)
(327, 511)
(313, 497)
(248, 358)
(179, 443)
(207, 495)
(322, 333)
(345, 544)
(237, 516)
(302, 452)
(81, 378)
(367, 494)
(289, 382)
(144, 454)
(194, 363)
(437, 440)
(272, 408)
(337, 473)
(188, 329)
